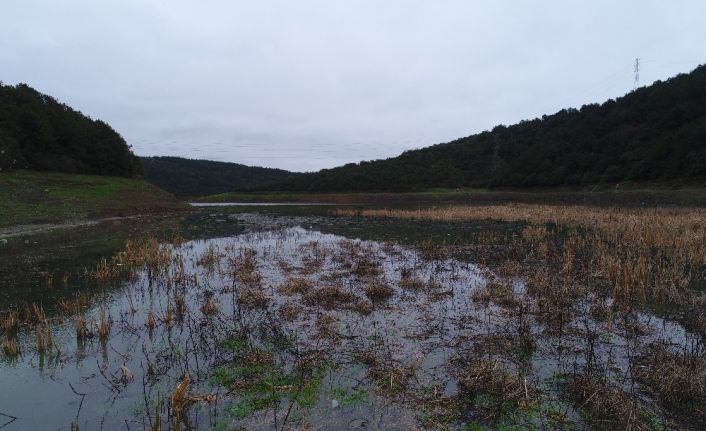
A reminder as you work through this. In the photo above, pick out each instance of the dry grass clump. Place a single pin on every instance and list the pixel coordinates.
(329, 296)
(378, 290)
(151, 320)
(179, 399)
(78, 301)
(491, 389)
(391, 378)
(290, 311)
(555, 298)
(607, 407)
(314, 256)
(10, 347)
(295, 285)
(326, 326)
(103, 326)
(500, 293)
(136, 255)
(678, 379)
(504, 345)
(244, 268)
(252, 297)
(210, 257)
(81, 327)
(365, 266)
(363, 307)
(43, 336)
(410, 281)
(431, 251)
(9, 323)
(209, 307)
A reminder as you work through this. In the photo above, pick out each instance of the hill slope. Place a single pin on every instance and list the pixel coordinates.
(28, 197)
(187, 177)
(37, 132)
(656, 133)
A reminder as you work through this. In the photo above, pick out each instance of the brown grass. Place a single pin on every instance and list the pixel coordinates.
(499, 388)
(10, 347)
(655, 253)
(678, 379)
(607, 407)
(377, 290)
(329, 296)
(44, 337)
(500, 293)
(252, 297)
(179, 400)
(209, 307)
(81, 327)
(103, 325)
(290, 311)
(295, 285)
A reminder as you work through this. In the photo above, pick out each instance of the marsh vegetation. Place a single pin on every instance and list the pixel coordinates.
(543, 317)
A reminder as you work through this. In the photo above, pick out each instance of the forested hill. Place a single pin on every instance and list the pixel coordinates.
(186, 177)
(656, 133)
(39, 133)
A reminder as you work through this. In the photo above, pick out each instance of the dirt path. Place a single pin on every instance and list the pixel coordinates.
(31, 229)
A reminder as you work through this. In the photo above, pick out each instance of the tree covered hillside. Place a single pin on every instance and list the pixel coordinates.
(186, 177)
(39, 133)
(656, 133)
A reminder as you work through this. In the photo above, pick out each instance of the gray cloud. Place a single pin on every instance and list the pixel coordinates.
(310, 84)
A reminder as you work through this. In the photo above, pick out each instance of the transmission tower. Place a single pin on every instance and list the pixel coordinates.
(637, 74)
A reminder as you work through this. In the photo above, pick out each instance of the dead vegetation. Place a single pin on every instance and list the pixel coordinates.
(677, 378)
(607, 407)
(400, 314)
(329, 296)
(377, 290)
(295, 285)
(491, 389)
(654, 253)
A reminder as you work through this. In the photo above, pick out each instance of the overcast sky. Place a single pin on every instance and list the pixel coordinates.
(304, 85)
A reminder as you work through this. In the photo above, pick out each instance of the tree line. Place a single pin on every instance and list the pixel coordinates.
(37, 132)
(653, 134)
(187, 177)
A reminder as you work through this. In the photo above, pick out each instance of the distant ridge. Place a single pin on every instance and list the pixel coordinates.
(653, 134)
(188, 177)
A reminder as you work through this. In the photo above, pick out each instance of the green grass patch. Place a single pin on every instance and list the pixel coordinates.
(261, 380)
(28, 197)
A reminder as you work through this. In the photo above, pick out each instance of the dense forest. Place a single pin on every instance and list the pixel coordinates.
(186, 177)
(655, 133)
(37, 132)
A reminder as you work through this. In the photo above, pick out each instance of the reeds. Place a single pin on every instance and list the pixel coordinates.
(506, 390)
(151, 320)
(179, 399)
(103, 324)
(606, 406)
(677, 378)
(656, 253)
(43, 336)
(81, 327)
(10, 347)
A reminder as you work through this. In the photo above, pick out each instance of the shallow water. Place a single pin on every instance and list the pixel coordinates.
(259, 204)
(420, 338)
